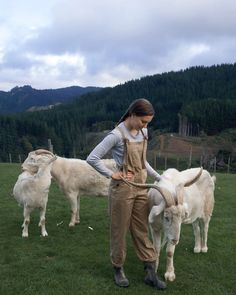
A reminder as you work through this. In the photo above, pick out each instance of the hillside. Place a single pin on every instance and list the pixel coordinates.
(20, 99)
(209, 151)
(194, 103)
(174, 144)
(204, 97)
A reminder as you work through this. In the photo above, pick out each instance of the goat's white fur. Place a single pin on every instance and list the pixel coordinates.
(190, 205)
(31, 192)
(75, 177)
(196, 209)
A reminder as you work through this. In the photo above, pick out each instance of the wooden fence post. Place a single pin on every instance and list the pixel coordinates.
(228, 168)
(50, 146)
(74, 152)
(165, 162)
(190, 157)
(155, 160)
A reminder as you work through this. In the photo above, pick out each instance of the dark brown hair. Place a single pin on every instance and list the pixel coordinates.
(139, 107)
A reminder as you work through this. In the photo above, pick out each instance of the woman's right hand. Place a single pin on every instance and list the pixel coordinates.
(118, 175)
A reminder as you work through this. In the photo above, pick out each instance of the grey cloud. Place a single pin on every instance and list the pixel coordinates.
(144, 36)
(120, 38)
(16, 60)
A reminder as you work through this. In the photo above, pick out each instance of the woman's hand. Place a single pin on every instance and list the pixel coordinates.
(116, 175)
(119, 175)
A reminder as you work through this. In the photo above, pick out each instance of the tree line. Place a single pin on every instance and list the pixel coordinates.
(205, 96)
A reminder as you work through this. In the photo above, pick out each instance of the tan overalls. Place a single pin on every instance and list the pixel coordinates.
(129, 207)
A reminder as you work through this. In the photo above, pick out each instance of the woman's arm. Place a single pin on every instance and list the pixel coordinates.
(151, 172)
(94, 158)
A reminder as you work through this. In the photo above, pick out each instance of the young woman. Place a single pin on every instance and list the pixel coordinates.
(128, 204)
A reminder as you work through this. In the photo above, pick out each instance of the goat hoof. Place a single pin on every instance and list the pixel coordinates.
(204, 250)
(45, 234)
(71, 224)
(25, 235)
(170, 276)
(197, 250)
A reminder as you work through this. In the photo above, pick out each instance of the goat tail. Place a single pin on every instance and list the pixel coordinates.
(213, 178)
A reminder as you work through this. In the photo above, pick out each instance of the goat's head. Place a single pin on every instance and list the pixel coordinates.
(172, 219)
(35, 159)
(170, 211)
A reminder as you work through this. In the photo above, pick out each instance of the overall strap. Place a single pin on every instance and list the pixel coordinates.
(125, 158)
(144, 136)
(144, 146)
(121, 132)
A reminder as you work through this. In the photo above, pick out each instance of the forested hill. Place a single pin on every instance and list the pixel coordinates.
(20, 99)
(203, 97)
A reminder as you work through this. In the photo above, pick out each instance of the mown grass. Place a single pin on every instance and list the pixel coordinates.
(76, 261)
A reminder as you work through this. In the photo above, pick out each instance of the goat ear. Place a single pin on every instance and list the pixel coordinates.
(43, 151)
(155, 211)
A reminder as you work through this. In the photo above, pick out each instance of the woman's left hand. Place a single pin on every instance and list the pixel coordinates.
(129, 176)
(119, 175)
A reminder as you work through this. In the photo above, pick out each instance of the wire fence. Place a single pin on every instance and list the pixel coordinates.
(213, 164)
(162, 162)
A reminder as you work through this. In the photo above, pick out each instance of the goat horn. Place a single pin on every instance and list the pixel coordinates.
(167, 196)
(52, 159)
(191, 181)
(42, 151)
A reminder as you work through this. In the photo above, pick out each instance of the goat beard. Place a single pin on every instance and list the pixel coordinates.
(164, 240)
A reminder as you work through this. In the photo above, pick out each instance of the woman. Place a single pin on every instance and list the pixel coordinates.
(129, 205)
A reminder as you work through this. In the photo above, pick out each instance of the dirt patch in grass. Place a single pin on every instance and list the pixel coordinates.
(174, 144)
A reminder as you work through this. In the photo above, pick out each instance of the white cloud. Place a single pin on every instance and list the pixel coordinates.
(57, 43)
(53, 60)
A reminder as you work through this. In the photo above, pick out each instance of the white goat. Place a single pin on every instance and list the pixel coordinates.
(180, 197)
(75, 178)
(31, 192)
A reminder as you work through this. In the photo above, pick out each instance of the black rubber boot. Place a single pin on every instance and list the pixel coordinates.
(151, 278)
(120, 278)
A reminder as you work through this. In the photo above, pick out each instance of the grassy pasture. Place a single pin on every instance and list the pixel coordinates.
(76, 261)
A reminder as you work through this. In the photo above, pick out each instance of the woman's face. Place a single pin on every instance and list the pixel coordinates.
(140, 122)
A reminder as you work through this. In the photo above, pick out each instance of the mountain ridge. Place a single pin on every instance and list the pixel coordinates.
(20, 99)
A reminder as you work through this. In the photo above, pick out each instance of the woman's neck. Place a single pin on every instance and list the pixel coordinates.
(130, 128)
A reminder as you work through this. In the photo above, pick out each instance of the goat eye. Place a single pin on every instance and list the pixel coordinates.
(167, 218)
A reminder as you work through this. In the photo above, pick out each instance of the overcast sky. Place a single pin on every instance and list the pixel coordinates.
(60, 43)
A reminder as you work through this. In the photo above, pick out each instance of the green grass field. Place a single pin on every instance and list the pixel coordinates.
(76, 261)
